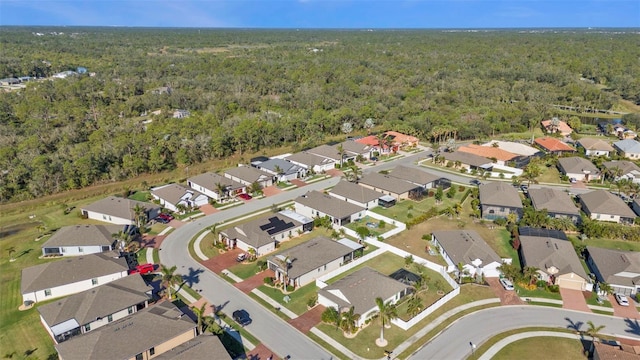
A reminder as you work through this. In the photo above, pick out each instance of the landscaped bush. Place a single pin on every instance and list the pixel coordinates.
(382, 224)
(461, 188)
(312, 301)
(290, 288)
(500, 221)
(541, 284)
(553, 288)
(268, 280)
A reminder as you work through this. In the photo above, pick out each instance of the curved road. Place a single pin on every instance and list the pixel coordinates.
(480, 326)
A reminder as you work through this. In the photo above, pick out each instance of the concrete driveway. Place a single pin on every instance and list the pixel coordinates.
(574, 300)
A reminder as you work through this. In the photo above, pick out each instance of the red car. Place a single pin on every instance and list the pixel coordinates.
(245, 196)
(166, 217)
(143, 269)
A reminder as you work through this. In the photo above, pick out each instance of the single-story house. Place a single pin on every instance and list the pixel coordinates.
(305, 262)
(208, 344)
(207, 184)
(467, 161)
(263, 234)
(282, 170)
(247, 175)
(623, 170)
(399, 139)
(614, 350)
(556, 125)
(468, 248)
(91, 309)
(356, 194)
(604, 206)
(315, 204)
(556, 261)
(622, 132)
(78, 240)
(595, 147)
(119, 211)
(635, 205)
(578, 168)
(620, 269)
(498, 200)
(354, 149)
(392, 186)
(171, 196)
(360, 290)
(557, 203)
(330, 153)
(143, 335)
(514, 147)
(311, 162)
(497, 155)
(629, 148)
(65, 277)
(419, 177)
(553, 145)
(377, 144)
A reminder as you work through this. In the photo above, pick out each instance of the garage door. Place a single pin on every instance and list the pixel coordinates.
(570, 283)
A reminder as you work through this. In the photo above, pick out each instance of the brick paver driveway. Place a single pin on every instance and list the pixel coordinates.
(298, 182)
(506, 297)
(624, 311)
(208, 209)
(306, 321)
(334, 173)
(222, 261)
(270, 191)
(260, 352)
(254, 281)
(153, 241)
(574, 300)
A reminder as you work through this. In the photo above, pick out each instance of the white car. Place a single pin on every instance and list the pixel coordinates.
(622, 300)
(506, 284)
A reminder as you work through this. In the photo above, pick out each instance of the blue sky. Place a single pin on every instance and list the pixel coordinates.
(324, 13)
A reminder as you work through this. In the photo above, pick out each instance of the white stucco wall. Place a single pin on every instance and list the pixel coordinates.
(76, 250)
(72, 288)
(108, 218)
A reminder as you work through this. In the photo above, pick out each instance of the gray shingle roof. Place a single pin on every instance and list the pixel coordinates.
(173, 193)
(625, 166)
(210, 180)
(355, 148)
(125, 338)
(326, 151)
(101, 301)
(355, 192)
(465, 246)
(595, 144)
(555, 201)
(545, 252)
(308, 159)
(248, 174)
(71, 270)
(628, 146)
(260, 232)
(604, 202)
(118, 207)
(499, 194)
(577, 165)
(611, 263)
(311, 255)
(361, 289)
(413, 175)
(387, 183)
(285, 166)
(466, 158)
(329, 205)
(203, 347)
(83, 235)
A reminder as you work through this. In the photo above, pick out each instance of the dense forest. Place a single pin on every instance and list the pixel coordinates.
(251, 89)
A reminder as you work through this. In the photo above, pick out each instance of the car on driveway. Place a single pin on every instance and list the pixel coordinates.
(245, 196)
(242, 317)
(241, 257)
(524, 188)
(166, 217)
(475, 182)
(506, 284)
(622, 300)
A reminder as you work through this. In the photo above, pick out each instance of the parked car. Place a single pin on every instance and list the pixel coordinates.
(143, 269)
(573, 180)
(524, 188)
(242, 317)
(242, 257)
(245, 196)
(162, 220)
(622, 300)
(506, 284)
(165, 216)
(475, 182)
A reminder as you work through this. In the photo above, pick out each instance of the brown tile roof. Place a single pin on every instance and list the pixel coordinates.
(553, 144)
(604, 202)
(400, 138)
(488, 152)
(499, 194)
(615, 352)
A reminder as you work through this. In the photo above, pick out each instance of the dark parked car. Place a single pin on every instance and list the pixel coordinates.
(475, 182)
(242, 317)
(524, 188)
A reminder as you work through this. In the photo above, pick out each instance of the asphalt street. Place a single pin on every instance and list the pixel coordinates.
(455, 341)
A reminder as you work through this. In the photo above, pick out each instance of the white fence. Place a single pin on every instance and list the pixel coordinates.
(405, 325)
(321, 281)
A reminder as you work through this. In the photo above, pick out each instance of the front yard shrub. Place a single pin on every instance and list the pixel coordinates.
(553, 288)
(382, 224)
(312, 301)
(268, 280)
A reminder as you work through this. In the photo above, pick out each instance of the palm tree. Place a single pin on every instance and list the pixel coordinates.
(386, 312)
(139, 215)
(530, 273)
(11, 250)
(170, 278)
(348, 321)
(331, 316)
(593, 330)
(199, 312)
(126, 241)
(285, 262)
(255, 187)
(461, 272)
(341, 152)
(605, 288)
(355, 174)
(414, 305)
(221, 190)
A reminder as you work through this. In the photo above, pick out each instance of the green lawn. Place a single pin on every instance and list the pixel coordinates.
(405, 209)
(374, 228)
(608, 243)
(549, 175)
(524, 293)
(298, 298)
(386, 264)
(144, 196)
(542, 348)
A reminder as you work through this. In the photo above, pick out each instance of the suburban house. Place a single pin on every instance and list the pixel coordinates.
(143, 335)
(558, 203)
(467, 161)
(261, 236)
(305, 262)
(175, 196)
(377, 144)
(247, 175)
(513, 147)
(620, 269)
(555, 258)
(419, 177)
(553, 145)
(282, 170)
(360, 290)
(78, 240)
(330, 153)
(629, 149)
(498, 200)
(91, 309)
(354, 149)
(622, 132)
(578, 168)
(623, 170)
(315, 204)
(356, 194)
(207, 184)
(615, 350)
(604, 206)
(595, 147)
(556, 125)
(635, 205)
(400, 140)
(120, 211)
(208, 345)
(311, 162)
(496, 154)
(468, 248)
(392, 186)
(65, 277)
